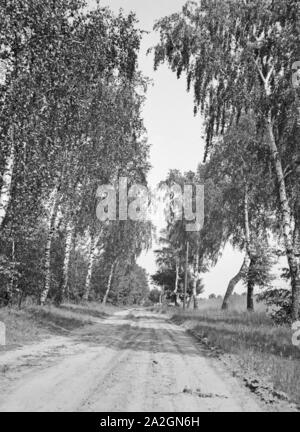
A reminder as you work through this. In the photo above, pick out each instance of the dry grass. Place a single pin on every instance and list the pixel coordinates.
(34, 323)
(260, 346)
(20, 328)
(237, 303)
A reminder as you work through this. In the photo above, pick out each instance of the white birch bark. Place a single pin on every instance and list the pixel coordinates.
(12, 279)
(92, 255)
(235, 280)
(68, 250)
(246, 263)
(285, 208)
(195, 280)
(111, 273)
(286, 222)
(5, 194)
(176, 283)
(47, 257)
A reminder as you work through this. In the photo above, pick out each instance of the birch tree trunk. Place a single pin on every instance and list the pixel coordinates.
(286, 222)
(160, 298)
(47, 258)
(68, 249)
(246, 263)
(250, 287)
(176, 285)
(70, 231)
(235, 280)
(92, 255)
(246, 221)
(195, 280)
(251, 255)
(5, 194)
(162, 293)
(111, 274)
(10, 290)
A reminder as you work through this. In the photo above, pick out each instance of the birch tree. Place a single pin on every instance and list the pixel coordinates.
(238, 168)
(238, 55)
(70, 115)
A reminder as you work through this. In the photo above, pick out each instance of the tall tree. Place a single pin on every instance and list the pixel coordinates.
(238, 166)
(70, 120)
(239, 57)
(170, 258)
(126, 242)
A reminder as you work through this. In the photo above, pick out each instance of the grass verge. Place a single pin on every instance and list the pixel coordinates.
(260, 347)
(33, 323)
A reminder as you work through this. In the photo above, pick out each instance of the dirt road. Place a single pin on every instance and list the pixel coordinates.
(132, 361)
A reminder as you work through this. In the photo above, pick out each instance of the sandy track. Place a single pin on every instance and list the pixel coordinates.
(132, 361)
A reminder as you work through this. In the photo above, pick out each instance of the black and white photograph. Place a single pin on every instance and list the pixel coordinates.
(149, 210)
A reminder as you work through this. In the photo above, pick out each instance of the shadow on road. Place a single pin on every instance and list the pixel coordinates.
(140, 333)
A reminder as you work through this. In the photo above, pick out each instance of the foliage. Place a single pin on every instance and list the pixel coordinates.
(70, 120)
(238, 59)
(279, 300)
(154, 295)
(130, 286)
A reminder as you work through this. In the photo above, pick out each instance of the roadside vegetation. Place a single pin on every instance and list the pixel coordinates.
(33, 323)
(70, 122)
(257, 348)
(240, 61)
(71, 103)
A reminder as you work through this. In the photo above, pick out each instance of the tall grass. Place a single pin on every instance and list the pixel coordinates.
(33, 323)
(260, 346)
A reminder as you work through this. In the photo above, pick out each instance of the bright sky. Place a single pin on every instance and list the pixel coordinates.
(173, 131)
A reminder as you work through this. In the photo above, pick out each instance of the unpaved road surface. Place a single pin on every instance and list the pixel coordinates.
(132, 361)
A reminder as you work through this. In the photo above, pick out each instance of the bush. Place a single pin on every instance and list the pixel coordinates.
(280, 300)
(154, 295)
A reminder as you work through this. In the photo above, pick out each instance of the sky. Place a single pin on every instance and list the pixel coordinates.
(174, 133)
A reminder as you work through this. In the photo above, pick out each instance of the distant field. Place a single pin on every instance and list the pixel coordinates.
(260, 346)
(236, 303)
